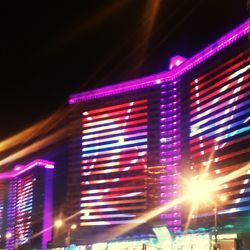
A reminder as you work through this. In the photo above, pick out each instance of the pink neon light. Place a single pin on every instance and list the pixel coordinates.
(19, 169)
(176, 61)
(112, 108)
(140, 83)
(113, 189)
(141, 177)
(110, 119)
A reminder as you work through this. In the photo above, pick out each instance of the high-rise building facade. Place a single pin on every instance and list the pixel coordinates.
(132, 143)
(27, 205)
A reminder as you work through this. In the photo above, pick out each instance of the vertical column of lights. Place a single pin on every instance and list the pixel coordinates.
(24, 209)
(170, 151)
(2, 208)
(114, 161)
(11, 215)
(220, 124)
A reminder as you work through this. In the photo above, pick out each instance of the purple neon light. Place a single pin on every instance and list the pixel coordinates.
(20, 169)
(170, 151)
(203, 55)
(47, 210)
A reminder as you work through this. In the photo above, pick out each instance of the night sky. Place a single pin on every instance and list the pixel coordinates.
(49, 51)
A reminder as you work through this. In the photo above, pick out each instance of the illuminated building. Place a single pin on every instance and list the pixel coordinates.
(132, 142)
(28, 207)
(217, 115)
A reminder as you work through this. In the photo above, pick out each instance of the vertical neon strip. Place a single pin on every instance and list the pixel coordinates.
(170, 151)
(47, 209)
(11, 215)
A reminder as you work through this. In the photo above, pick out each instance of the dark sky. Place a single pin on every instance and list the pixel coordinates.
(49, 51)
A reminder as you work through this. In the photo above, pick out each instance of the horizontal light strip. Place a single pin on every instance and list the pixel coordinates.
(213, 75)
(99, 223)
(119, 179)
(115, 126)
(113, 189)
(218, 126)
(114, 151)
(218, 145)
(222, 113)
(119, 162)
(114, 132)
(218, 107)
(225, 83)
(113, 121)
(107, 171)
(105, 203)
(93, 217)
(113, 139)
(114, 196)
(130, 143)
(232, 94)
(220, 138)
(103, 118)
(112, 209)
(208, 151)
(114, 107)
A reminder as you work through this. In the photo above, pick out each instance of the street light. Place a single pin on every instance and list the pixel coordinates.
(58, 223)
(201, 190)
(68, 238)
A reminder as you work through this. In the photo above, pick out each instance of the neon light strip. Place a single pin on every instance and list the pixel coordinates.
(114, 196)
(107, 171)
(99, 223)
(109, 139)
(115, 126)
(122, 159)
(220, 145)
(91, 217)
(124, 144)
(217, 126)
(141, 177)
(186, 66)
(114, 132)
(22, 169)
(113, 189)
(224, 156)
(224, 137)
(115, 107)
(219, 114)
(102, 203)
(233, 95)
(115, 151)
(97, 119)
(112, 164)
(229, 86)
(111, 209)
(219, 71)
(207, 87)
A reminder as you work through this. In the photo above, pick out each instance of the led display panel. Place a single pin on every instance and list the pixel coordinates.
(24, 204)
(219, 130)
(2, 209)
(114, 161)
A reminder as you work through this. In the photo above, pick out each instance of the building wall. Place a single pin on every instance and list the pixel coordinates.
(217, 141)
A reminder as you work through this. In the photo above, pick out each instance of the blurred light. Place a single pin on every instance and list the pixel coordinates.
(58, 223)
(73, 226)
(8, 235)
(223, 198)
(200, 190)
